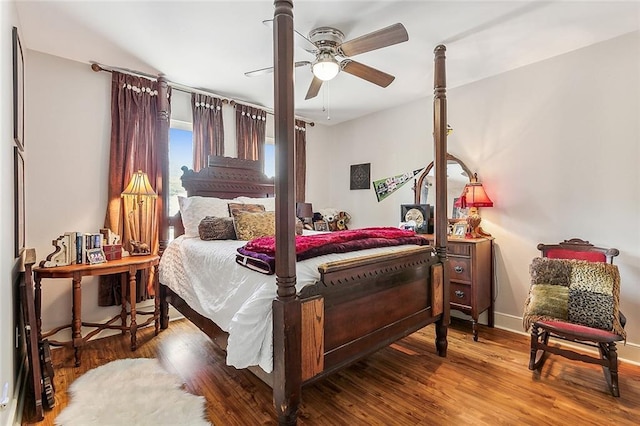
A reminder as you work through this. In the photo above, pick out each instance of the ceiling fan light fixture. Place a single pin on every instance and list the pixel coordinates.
(325, 67)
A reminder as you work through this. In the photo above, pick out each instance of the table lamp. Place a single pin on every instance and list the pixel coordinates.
(139, 188)
(304, 211)
(474, 196)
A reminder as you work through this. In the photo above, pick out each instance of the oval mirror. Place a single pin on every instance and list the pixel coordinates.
(458, 175)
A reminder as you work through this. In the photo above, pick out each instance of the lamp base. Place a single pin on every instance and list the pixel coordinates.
(475, 231)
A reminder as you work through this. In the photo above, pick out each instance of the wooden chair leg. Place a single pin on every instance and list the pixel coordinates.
(609, 353)
(537, 356)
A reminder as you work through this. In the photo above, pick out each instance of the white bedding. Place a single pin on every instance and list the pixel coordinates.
(206, 275)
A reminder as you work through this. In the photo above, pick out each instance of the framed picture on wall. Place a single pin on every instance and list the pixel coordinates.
(18, 182)
(18, 91)
(360, 176)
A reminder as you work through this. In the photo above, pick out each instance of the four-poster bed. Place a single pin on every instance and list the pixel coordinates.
(356, 305)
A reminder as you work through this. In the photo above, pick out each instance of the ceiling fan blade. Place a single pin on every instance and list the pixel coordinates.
(263, 71)
(366, 72)
(314, 88)
(300, 39)
(384, 37)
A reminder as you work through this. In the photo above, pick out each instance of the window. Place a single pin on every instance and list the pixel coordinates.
(180, 154)
(269, 157)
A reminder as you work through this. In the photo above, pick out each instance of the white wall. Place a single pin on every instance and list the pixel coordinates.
(556, 145)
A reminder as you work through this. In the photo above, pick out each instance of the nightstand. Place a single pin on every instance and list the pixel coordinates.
(127, 267)
(471, 277)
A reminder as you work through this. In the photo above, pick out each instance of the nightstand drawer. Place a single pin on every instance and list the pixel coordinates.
(460, 294)
(459, 249)
(460, 269)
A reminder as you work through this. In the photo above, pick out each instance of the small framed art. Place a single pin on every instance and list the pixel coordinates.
(459, 229)
(95, 256)
(321, 225)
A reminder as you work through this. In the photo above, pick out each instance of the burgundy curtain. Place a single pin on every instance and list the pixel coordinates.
(208, 130)
(134, 113)
(251, 126)
(301, 159)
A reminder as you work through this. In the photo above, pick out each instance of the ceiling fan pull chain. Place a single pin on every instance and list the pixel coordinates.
(326, 93)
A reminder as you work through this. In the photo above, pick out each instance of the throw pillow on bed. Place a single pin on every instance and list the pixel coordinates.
(250, 225)
(194, 209)
(269, 203)
(254, 208)
(216, 228)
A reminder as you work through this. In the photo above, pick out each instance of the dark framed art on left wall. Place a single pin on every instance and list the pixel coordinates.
(18, 170)
(18, 90)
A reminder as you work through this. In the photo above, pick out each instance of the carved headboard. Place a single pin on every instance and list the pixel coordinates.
(225, 177)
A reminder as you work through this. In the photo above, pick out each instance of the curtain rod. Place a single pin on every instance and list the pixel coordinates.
(95, 66)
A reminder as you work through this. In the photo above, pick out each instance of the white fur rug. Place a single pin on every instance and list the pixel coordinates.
(131, 392)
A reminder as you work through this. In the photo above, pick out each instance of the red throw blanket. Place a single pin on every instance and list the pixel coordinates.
(259, 254)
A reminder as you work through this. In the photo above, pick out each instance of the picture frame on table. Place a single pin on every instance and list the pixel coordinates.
(18, 90)
(418, 213)
(321, 225)
(459, 229)
(96, 256)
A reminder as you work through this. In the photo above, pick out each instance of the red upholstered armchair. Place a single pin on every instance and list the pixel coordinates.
(547, 321)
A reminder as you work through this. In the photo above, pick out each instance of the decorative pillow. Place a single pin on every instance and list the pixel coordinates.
(194, 209)
(576, 291)
(253, 208)
(250, 225)
(269, 203)
(216, 228)
(299, 226)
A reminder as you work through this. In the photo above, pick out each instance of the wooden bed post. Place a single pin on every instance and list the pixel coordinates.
(287, 370)
(162, 149)
(440, 166)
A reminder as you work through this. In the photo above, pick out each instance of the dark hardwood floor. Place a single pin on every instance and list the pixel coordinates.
(479, 383)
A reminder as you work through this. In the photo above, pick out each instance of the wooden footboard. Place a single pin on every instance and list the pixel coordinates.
(359, 306)
(362, 305)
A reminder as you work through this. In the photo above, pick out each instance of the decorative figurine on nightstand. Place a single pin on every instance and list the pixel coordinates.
(139, 248)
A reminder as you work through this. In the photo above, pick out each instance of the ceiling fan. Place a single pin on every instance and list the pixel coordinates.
(333, 54)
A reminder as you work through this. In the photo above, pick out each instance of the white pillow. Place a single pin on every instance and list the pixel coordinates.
(194, 209)
(268, 203)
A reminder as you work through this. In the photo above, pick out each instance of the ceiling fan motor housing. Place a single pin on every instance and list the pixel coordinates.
(326, 38)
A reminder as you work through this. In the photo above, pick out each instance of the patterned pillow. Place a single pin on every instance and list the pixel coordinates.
(253, 208)
(576, 291)
(216, 228)
(194, 209)
(269, 203)
(250, 225)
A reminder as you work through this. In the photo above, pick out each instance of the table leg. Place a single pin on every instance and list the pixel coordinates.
(123, 302)
(132, 300)
(156, 301)
(38, 305)
(76, 320)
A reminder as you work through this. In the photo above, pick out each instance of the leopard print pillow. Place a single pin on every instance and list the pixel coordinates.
(216, 228)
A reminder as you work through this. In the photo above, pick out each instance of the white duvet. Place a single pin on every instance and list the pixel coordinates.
(206, 275)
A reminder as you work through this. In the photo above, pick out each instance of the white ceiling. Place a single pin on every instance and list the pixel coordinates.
(210, 44)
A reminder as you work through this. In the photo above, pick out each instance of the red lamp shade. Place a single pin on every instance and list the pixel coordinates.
(473, 195)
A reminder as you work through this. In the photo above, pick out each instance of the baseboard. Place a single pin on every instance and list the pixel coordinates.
(16, 405)
(628, 353)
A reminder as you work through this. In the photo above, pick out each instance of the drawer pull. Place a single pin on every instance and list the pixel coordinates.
(459, 294)
(458, 269)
